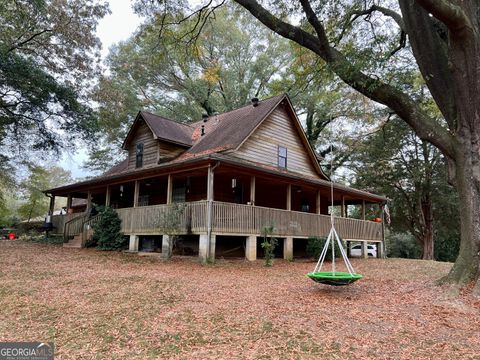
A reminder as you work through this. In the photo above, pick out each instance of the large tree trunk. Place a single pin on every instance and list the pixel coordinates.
(427, 245)
(466, 267)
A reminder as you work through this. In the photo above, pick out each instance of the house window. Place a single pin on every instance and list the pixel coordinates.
(179, 193)
(282, 157)
(139, 156)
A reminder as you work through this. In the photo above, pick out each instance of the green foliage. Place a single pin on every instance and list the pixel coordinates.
(402, 245)
(315, 246)
(412, 174)
(41, 238)
(34, 201)
(107, 230)
(269, 243)
(48, 53)
(169, 222)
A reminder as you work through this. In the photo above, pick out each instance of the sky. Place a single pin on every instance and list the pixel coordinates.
(117, 26)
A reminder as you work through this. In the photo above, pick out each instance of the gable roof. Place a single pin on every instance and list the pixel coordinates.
(229, 130)
(222, 132)
(162, 129)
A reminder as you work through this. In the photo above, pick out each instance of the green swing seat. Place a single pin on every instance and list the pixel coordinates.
(334, 278)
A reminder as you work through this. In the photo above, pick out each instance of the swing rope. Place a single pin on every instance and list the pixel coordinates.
(333, 277)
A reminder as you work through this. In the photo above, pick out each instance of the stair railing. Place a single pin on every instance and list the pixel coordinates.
(88, 226)
(73, 227)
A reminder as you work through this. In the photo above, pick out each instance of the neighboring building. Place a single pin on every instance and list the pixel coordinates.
(236, 173)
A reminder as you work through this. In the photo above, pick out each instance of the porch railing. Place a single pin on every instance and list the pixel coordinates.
(229, 218)
(73, 227)
(149, 219)
(58, 221)
(246, 219)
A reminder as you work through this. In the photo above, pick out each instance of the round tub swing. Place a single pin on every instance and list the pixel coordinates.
(333, 277)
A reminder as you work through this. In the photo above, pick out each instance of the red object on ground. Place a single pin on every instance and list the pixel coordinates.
(11, 236)
(379, 220)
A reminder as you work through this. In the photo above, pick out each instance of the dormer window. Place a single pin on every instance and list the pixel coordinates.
(139, 156)
(282, 157)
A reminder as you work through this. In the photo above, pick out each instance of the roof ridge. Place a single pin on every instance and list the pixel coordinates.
(165, 118)
(244, 106)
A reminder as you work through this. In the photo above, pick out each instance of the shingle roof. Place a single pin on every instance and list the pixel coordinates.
(167, 129)
(230, 129)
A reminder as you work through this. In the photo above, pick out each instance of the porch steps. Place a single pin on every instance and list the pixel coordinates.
(76, 242)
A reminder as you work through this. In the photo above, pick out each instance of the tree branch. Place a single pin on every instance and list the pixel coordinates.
(405, 107)
(451, 15)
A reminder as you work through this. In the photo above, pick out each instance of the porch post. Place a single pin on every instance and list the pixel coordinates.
(51, 207)
(133, 243)
(69, 202)
(89, 200)
(343, 206)
(380, 250)
(364, 250)
(108, 195)
(169, 189)
(363, 209)
(251, 248)
(318, 202)
(205, 247)
(288, 248)
(252, 190)
(289, 197)
(136, 193)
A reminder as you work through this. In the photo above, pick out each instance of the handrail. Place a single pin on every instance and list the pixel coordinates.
(87, 225)
(73, 227)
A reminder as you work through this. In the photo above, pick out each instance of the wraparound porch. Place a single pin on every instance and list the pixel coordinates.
(210, 219)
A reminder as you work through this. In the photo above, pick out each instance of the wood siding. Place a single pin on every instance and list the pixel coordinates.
(168, 151)
(144, 135)
(277, 129)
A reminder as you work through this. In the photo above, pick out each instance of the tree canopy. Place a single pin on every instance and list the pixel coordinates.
(48, 55)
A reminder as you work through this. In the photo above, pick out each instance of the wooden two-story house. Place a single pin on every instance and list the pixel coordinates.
(235, 173)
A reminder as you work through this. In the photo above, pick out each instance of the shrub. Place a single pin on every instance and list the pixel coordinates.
(269, 243)
(107, 230)
(315, 246)
(41, 238)
(402, 245)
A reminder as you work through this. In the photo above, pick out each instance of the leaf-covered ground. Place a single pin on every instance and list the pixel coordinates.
(116, 306)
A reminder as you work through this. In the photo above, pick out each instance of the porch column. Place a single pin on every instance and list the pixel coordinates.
(364, 250)
(289, 197)
(349, 249)
(108, 195)
(363, 209)
(318, 202)
(251, 248)
(380, 250)
(165, 245)
(133, 244)
(169, 189)
(210, 195)
(89, 200)
(252, 190)
(343, 207)
(203, 248)
(51, 207)
(69, 201)
(288, 248)
(136, 193)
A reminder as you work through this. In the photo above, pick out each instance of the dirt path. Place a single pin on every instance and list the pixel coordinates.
(117, 306)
